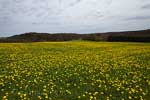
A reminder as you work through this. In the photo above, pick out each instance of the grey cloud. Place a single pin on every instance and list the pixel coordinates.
(74, 3)
(139, 18)
(70, 3)
(146, 6)
(46, 23)
(72, 15)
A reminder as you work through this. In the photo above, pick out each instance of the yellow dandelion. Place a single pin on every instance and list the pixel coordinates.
(19, 93)
(102, 92)
(39, 97)
(4, 97)
(46, 96)
(79, 97)
(24, 95)
(91, 97)
(130, 97)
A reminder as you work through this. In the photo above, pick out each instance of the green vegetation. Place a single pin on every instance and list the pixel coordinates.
(75, 70)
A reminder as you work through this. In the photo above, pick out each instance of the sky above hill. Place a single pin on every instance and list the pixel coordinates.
(75, 16)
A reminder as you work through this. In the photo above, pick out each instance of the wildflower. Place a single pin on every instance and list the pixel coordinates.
(79, 97)
(46, 96)
(19, 93)
(39, 97)
(24, 95)
(91, 97)
(130, 97)
(4, 97)
(102, 92)
(95, 93)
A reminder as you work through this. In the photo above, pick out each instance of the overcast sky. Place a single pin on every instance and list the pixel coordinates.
(76, 16)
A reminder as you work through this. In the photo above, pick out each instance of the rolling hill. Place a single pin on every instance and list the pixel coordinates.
(128, 36)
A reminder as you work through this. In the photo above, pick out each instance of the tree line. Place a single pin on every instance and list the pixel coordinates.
(130, 36)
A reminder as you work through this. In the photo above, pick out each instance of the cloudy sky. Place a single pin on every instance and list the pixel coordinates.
(76, 16)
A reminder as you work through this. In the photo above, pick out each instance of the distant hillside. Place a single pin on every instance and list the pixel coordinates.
(129, 36)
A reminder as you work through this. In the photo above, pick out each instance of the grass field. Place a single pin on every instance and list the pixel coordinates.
(75, 70)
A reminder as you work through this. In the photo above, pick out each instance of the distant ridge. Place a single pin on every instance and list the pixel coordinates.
(127, 36)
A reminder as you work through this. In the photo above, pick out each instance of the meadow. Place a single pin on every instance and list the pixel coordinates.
(77, 70)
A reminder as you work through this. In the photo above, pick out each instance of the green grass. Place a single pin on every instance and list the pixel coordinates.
(75, 70)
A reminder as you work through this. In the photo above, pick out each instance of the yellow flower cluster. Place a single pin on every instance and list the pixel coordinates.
(75, 71)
